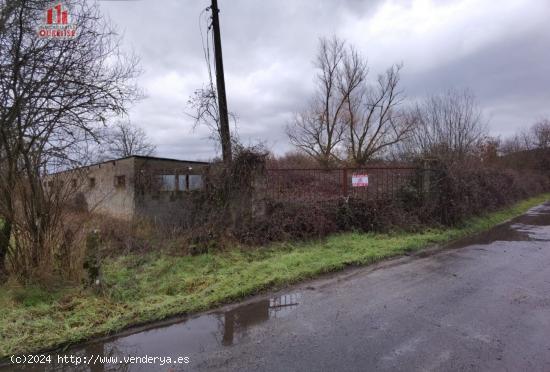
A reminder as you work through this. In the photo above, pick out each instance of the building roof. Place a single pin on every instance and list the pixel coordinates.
(133, 156)
(157, 158)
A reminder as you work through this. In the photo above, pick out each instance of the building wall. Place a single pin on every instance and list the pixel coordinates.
(134, 187)
(164, 188)
(102, 192)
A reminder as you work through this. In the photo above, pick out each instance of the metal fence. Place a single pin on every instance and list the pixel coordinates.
(333, 184)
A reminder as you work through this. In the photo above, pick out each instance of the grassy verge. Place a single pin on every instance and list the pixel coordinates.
(155, 286)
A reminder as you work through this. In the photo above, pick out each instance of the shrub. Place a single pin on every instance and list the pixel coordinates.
(288, 221)
(463, 190)
(293, 220)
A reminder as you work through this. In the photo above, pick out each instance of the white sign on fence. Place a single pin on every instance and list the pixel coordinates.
(360, 180)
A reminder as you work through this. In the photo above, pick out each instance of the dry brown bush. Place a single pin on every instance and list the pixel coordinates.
(462, 190)
(293, 159)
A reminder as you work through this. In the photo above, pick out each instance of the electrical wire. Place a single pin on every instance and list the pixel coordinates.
(206, 49)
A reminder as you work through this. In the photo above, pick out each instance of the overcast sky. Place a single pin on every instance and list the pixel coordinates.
(498, 49)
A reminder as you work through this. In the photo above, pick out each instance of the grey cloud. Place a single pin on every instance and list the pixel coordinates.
(511, 79)
(268, 50)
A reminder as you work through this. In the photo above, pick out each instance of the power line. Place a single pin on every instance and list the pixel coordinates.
(206, 48)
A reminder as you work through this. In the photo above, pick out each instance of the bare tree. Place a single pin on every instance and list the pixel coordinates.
(541, 134)
(319, 129)
(519, 142)
(375, 121)
(510, 145)
(348, 116)
(125, 139)
(449, 127)
(55, 93)
(536, 137)
(204, 110)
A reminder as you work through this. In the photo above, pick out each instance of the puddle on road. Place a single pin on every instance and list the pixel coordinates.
(522, 228)
(236, 321)
(186, 338)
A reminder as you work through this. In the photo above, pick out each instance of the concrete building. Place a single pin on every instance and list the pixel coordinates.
(136, 186)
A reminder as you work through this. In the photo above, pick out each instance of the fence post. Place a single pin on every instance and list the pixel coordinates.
(345, 182)
(426, 177)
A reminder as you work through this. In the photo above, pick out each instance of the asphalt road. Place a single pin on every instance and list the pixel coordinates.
(483, 305)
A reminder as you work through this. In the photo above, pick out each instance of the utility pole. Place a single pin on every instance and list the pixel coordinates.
(220, 83)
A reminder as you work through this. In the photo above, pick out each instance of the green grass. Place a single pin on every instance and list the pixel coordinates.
(155, 286)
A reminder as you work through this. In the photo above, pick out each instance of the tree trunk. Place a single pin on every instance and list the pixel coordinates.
(5, 234)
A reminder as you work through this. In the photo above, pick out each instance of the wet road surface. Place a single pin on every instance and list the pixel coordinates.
(483, 305)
